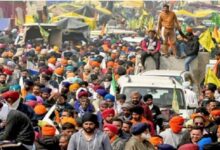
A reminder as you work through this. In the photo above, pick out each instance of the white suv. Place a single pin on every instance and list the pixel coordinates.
(161, 88)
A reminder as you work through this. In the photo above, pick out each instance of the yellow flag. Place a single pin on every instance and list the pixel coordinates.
(216, 34)
(205, 40)
(151, 23)
(211, 78)
(175, 103)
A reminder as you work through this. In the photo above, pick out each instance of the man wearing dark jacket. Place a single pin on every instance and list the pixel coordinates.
(192, 49)
(18, 129)
(47, 141)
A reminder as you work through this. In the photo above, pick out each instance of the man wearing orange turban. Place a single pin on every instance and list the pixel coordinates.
(156, 140)
(174, 135)
(48, 133)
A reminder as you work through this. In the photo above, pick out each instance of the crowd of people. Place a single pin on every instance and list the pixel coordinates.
(65, 101)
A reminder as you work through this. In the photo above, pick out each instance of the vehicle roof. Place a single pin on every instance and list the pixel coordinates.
(147, 81)
(164, 72)
(133, 39)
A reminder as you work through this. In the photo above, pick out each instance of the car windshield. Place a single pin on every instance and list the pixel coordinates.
(162, 96)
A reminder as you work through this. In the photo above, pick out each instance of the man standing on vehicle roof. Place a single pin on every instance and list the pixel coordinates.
(166, 25)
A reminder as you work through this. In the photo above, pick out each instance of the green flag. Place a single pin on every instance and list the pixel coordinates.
(113, 86)
(175, 103)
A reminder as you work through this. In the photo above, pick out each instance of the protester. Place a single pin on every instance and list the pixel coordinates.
(138, 141)
(174, 134)
(89, 137)
(192, 49)
(18, 128)
(47, 140)
(68, 95)
(151, 47)
(116, 142)
(166, 25)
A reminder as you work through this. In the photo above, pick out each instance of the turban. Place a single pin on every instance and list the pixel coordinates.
(215, 112)
(52, 60)
(15, 87)
(31, 103)
(189, 147)
(189, 123)
(46, 90)
(139, 128)
(40, 109)
(189, 29)
(64, 62)
(14, 95)
(102, 92)
(113, 55)
(112, 128)
(83, 93)
(59, 71)
(156, 140)
(196, 115)
(94, 64)
(38, 48)
(66, 84)
(7, 71)
(74, 87)
(68, 120)
(90, 117)
(109, 97)
(110, 64)
(69, 68)
(138, 110)
(108, 112)
(96, 87)
(48, 130)
(56, 48)
(30, 97)
(175, 124)
(165, 147)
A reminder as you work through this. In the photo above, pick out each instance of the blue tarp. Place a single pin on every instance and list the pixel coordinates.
(5, 24)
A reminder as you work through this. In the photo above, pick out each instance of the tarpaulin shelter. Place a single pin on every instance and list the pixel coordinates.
(5, 24)
(196, 14)
(73, 29)
(89, 21)
(64, 29)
